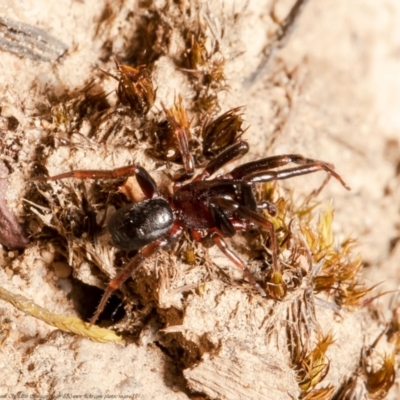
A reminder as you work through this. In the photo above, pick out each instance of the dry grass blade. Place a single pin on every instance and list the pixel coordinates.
(64, 323)
(320, 394)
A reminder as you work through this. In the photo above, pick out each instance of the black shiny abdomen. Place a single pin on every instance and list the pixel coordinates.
(138, 224)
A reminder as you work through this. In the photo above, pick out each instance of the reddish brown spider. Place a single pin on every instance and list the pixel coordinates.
(210, 208)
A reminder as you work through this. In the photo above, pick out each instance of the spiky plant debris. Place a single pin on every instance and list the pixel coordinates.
(320, 394)
(222, 131)
(338, 271)
(135, 87)
(178, 119)
(380, 381)
(333, 270)
(380, 376)
(199, 61)
(77, 111)
(315, 365)
(202, 60)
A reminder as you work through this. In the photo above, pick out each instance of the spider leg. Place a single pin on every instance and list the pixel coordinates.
(256, 218)
(217, 237)
(260, 171)
(115, 283)
(225, 226)
(222, 221)
(146, 182)
(232, 152)
(142, 254)
(267, 176)
(248, 200)
(266, 205)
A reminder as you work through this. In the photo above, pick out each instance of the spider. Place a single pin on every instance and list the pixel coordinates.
(211, 208)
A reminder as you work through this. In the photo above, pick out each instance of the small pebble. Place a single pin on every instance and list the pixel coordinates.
(47, 256)
(61, 269)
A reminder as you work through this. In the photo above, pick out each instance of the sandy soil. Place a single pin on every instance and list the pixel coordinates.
(330, 93)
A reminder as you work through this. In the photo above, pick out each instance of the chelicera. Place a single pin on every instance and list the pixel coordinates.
(211, 207)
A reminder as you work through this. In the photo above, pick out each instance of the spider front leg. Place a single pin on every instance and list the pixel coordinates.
(145, 181)
(231, 153)
(260, 171)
